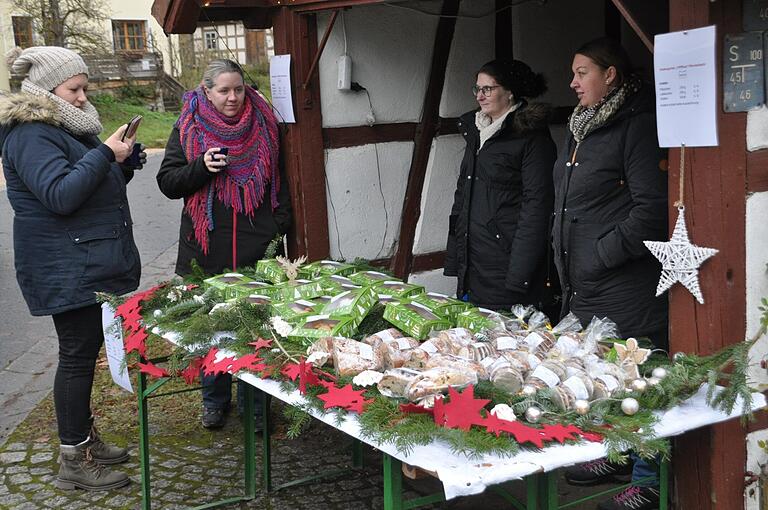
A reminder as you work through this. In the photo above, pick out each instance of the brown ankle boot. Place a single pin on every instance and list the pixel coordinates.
(78, 469)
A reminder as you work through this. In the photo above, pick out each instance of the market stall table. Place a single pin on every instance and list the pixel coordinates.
(459, 475)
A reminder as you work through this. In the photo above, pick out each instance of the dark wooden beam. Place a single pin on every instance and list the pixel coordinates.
(353, 136)
(176, 16)
(421, 262)
(757, 171)
(303, 142)
(503, 29)
(320, 48)
(710, 462)
(632, 22)
(425, 132)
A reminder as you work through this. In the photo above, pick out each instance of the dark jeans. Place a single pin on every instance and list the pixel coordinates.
(80, 338)
(217, 393)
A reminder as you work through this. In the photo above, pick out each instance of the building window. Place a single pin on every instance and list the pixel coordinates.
(210, 40)
(129, 35)
(22, 31)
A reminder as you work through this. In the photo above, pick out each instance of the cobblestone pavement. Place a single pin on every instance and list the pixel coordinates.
(186, 474)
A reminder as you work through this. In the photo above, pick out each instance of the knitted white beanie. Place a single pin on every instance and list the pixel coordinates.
(49, 66)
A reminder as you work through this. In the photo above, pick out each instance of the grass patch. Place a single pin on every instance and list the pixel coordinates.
(154, 129)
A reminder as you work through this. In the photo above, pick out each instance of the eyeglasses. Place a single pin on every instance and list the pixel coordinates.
(485, 91)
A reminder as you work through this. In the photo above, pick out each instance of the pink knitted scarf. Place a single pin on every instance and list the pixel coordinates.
(252, 139)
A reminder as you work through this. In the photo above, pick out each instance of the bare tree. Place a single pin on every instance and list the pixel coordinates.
(76, 24)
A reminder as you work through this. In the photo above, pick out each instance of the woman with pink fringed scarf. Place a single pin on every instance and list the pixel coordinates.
(223, 159)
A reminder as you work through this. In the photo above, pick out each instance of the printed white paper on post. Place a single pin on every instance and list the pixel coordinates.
(686, 88)
(280, 84)
(113, 344)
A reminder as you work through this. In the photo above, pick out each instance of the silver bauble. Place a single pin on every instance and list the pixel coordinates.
(639, 385)
(678, 356)
(581, 407)
(533, 414)
(653, 381)
(157, 313)
(528, 390)
(630, 406)
(659, 373)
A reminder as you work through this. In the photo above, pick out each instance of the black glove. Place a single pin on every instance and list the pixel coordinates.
(137, 159)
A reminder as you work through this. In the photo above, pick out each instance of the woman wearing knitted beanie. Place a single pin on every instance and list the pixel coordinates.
(498, 230)
(234, 203)
(72, 238)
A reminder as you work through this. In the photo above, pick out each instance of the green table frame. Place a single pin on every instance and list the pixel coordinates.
(541, 488)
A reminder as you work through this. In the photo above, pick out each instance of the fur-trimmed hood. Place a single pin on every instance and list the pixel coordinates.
(23, 108)
(529, 117)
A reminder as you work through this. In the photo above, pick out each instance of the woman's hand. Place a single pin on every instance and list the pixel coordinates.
(121, 149)
(214, 161)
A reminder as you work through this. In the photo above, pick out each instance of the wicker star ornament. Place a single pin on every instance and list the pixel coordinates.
(680, 260)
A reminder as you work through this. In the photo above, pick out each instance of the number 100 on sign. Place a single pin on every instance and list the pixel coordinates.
(743, 72)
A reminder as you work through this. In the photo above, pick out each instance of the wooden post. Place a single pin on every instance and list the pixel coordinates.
(296, 34)
(709, 463)
(425, 132)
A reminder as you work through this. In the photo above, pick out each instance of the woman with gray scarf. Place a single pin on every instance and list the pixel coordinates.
(72, 234)
(610, 196)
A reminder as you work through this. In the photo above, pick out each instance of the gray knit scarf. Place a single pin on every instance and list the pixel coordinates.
(584, 120)
(78, 121)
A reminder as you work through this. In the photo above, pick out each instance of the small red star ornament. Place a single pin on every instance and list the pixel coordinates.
(463, 410)
(347, 398)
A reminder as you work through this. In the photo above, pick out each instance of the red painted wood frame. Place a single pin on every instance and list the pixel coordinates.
(709, 463)
(296, 34)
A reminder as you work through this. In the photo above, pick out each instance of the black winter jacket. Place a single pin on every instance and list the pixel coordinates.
(72, 228)
(179, 178)
(498, 231)
(610, 196)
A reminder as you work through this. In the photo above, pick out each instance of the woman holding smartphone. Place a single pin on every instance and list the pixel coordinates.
(223, 159)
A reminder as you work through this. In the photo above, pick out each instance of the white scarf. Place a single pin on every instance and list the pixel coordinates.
(78, 121)
(488, 127)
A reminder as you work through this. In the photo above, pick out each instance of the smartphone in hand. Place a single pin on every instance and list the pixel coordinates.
(133, 126)
(224, 151)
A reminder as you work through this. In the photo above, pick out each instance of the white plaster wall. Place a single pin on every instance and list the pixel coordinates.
(757, 277)
(387, 47)
(356, 219)
(756, 457)
(6, 42)
(434, 281)
(437, 197)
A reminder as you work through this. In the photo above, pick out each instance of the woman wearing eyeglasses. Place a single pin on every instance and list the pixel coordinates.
(498, 232)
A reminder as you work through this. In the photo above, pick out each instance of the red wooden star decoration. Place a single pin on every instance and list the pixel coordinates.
(524, 433)
(306, 376)
(438, 411)
(221, 366)
(153, 370)
(463, 410)
(346, 398)
(209, 359)
(248, 362)
(135, 341)
(191, 373)
(560, 433)
(496, 425)
(592, 436)
(415, 409)
(260, 344)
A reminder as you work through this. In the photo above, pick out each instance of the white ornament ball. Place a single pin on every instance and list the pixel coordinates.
(529, 390)
(157, 313)
(678, 356)
(653, 381)
(630, 406)
(659, 373)
(533, 414)
(581, 407)
(639, 385)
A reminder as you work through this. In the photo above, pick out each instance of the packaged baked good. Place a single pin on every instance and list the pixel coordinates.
(321, 350)
(414, 319)
(325, 267)
(354, 303)
(520, 360)
(224, 281)
(437, 380)
(251, 287)
(271, 270)
(399, 289)
(299, 289)
(437, 345)
(396, 352)
(351, 357)
(395, 381)
(505, 375)
(292, 311)
(462, 364)
(540, 342)
(547, 374)
(335, 284)
(311, 327)
(457, 338)
(415, 358)
(383, 336)
(478, 319)
(369, 277)
(386, 298)
(442, 305)
(258, 299)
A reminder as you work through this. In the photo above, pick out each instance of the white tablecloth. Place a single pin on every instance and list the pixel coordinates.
(462, 476)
